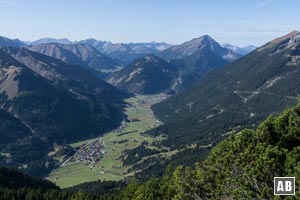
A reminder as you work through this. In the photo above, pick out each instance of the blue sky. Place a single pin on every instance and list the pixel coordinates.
(239, 22)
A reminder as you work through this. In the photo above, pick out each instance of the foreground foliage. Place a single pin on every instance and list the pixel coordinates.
(241, 167)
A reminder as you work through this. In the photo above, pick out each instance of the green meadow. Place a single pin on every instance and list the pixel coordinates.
(110, 166)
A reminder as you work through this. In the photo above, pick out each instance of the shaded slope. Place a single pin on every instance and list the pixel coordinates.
(146, 75)
(46, 100)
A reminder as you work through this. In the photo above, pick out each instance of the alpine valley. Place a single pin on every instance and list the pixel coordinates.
(101, 120)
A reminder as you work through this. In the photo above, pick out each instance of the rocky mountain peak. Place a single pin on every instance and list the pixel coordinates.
(282, 43)
(295, 39)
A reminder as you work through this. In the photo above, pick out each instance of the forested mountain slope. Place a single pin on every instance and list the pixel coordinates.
(45, 101)
(240, 95)
(241, 167)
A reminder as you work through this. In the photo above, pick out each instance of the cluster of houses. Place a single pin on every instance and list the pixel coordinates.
(90, 154)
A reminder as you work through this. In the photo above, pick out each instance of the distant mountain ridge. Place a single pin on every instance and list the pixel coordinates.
(126, 52)
(50, 40)
(186, 62)
(83, 55)
(4, 42)
(240, 50)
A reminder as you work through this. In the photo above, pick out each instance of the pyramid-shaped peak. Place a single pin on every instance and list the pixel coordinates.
(205, 39)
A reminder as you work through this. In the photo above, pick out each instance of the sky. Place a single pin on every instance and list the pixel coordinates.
(238, 22)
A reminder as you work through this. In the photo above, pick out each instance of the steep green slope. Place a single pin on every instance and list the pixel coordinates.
(240, 95)
(11, 129)
(241, 167)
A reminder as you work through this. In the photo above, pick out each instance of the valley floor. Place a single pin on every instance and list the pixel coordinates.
(100, 158)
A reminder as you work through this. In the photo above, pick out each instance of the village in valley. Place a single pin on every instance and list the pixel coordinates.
(92, 152)
(101, 157)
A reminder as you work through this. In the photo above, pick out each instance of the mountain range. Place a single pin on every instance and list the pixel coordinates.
(126, 52)
(83, 55)
(51, 93)
(54, 93)
(177, 68)
(192, 59)
(50, 40)
(240, 50)
(5, 42)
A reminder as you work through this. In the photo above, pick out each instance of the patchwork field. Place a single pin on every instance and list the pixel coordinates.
(126, 137)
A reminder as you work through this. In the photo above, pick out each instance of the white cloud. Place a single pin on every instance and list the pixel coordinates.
(263, 3)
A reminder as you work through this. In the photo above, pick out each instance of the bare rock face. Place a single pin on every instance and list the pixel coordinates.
(8, 81)
(291, 40)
